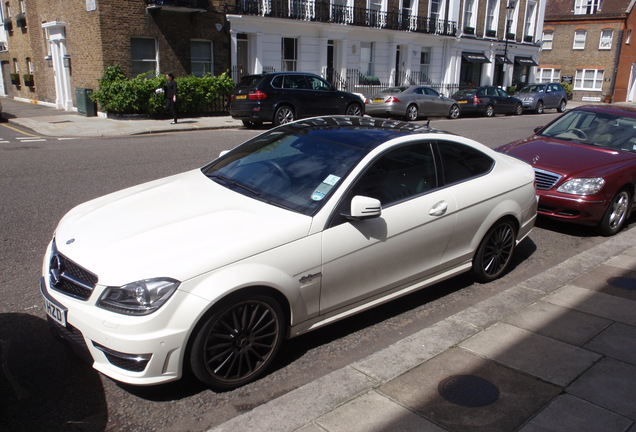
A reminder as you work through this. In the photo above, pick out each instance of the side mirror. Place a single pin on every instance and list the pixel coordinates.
(224, 152)
(441, 95)
(363, 207)
(538, 129)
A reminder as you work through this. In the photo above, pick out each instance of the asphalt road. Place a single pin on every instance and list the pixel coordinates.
(45, 387)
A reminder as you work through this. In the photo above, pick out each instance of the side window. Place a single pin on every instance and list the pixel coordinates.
(432, 92)
(461, 162)
(501, 93)
(295, 82)
(399, 175)
(318, 84)
(277, 82)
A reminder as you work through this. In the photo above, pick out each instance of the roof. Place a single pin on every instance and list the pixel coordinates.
(564, 10)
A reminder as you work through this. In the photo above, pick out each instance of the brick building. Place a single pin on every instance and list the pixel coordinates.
(67, 44)
(587, 43)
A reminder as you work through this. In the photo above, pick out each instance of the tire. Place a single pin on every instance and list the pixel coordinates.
(562, 106)
(237, 342)
(283, 115)
(411, 113)
(251, 124)
(539, 108)
(616, 214)
(518, 109)
(354, 109)
(494, 254)
(490, 111)
(454, 112)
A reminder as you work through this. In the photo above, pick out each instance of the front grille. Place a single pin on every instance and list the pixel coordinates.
(545, 180)
(69, 278)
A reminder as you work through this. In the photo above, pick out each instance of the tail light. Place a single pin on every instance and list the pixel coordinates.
(256, 95)
(391, 99)
(476, 100)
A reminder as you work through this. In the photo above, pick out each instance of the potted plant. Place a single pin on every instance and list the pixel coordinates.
(8, 24)
(15, 78)
(528, 38)
(469, 30)
(20, 20)
(28, 80)
(510, 36)
(491, 33)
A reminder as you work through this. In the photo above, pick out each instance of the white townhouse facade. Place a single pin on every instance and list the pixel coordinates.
(445, 43)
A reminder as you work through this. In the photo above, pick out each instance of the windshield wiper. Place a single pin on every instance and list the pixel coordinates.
(221, 179)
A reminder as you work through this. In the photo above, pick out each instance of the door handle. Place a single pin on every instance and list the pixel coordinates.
(438, 209)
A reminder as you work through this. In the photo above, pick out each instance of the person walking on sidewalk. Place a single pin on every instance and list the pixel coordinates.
(171, 97)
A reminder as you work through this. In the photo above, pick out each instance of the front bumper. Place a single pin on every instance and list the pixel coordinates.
(572, 208)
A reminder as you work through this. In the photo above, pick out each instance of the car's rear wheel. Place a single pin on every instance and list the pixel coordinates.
(616, 214)
(354, 109)
(454, 112)
(284, 115)
(495, 251)
(539, 108)
(518, 109)
(562, 105)
(490, 111)
(237, 342)
(411, 112)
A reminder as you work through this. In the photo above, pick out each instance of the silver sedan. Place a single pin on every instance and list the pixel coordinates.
(411, 102)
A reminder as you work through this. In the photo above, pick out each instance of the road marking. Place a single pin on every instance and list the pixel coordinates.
(20, 131)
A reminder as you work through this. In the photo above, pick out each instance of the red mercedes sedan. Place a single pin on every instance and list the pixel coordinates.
(585, 166)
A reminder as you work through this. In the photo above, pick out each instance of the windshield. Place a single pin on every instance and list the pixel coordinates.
(533, 89)
(290, 167)
(595, 128)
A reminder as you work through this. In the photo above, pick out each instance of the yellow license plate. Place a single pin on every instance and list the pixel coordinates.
(462, 101)
(241, 96)
(378, 100)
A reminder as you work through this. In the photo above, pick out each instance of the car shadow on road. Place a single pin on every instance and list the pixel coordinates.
(574, 230)
(43, 386)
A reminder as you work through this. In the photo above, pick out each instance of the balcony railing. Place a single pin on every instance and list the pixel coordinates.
(321, 11)
(187, 4)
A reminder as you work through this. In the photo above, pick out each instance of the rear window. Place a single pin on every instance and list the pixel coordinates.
(250, 81)
(464, 93)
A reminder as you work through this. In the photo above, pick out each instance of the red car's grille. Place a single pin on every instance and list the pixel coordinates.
(545, 180)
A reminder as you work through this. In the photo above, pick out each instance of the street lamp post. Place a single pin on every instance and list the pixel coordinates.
(510, 7)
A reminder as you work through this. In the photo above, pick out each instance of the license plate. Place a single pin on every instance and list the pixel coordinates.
(241, 96)
(53, 309)
(462, 101)
(378, 100)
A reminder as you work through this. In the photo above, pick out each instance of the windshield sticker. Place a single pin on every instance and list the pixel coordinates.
(323, 189)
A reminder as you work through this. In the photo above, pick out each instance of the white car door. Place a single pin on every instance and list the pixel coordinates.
(368, 257)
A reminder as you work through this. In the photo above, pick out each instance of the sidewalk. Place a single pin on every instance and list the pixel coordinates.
(555, 353)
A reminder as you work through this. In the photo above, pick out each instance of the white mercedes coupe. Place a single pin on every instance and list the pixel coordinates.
(299, 227)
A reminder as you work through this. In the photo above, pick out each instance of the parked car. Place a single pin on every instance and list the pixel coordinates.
(538, 97)
(282, 97)
(301, 226)
(411, 102)
(487, 101)
(585, 164)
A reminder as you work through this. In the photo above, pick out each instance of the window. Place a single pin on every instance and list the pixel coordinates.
(491, 20)
(549, 75)
(366, 58)
(462, 163)
(589, 79)
(425, 62)
(144, 56)
(606, 39)
(289, 48)
(585, 7)
(548, 37)
(530, 18)
(579, 39)
(201, 58)
(469, 16)
(375, 11)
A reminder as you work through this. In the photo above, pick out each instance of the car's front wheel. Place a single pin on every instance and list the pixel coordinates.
(616, 214)
(411, 112)
(284, 115)
(490, 111)
(562, 106)
(354, 109)
(518, 109)
(494, 253)
(454, 112)
(539, 108)
(237, 342)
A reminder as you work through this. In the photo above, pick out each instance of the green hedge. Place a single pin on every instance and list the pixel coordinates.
(121, 95)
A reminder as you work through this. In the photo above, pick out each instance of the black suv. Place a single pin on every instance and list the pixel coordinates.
(282, 97)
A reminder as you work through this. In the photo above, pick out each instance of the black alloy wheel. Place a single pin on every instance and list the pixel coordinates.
(495, 251)
(354, 109)
(238, 342)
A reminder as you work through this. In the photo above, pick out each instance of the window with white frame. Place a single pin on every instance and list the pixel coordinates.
(605, 42)
(548, 38)
(491, 18)
(549, 75)
(589, 79)
(586, 7)
(528, 28)
(469, 16)
(425, 62)
(289, 49)
(579, 39)
(144, 56)
(201, 58)
(366, 58)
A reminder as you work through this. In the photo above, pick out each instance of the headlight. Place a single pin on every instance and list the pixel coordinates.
(138, 298)
(582, 186)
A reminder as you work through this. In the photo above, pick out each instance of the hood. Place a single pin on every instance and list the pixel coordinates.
(179, 227)
(567, 158)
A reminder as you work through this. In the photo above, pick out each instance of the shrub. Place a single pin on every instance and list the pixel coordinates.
(121, 95)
